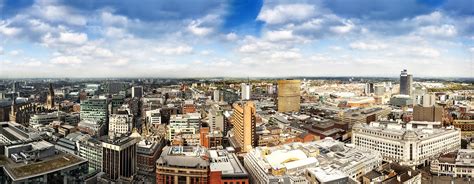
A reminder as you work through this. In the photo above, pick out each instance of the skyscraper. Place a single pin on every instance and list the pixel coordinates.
(94, 110)
(245, 91)
(406, 82)
(288, 95)
(119, 158)
(137, 91)
(50, 98)
(244, 121)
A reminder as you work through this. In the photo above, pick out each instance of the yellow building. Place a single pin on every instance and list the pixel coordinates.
(288, 95)
(244, 121)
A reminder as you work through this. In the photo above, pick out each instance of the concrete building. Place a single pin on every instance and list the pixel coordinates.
(94, 109)
(300, 163)
(431, 113)
(44, 164)
(244, 121)
(216, 95)
(183, 164)
(428, 100)
(288, 95)
(225, 167)
(91, 150)
(120, 124)
(245, 91)
(406, 83)
(406, 144)
(50, 98)
(153, 117)
(119, 159)
(147, 154)
(137, 92)
(455, 164)
(216, 118)
(183, 124)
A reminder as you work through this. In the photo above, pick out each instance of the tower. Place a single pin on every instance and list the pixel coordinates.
(406, 83)
(50, 98)
(13, 111)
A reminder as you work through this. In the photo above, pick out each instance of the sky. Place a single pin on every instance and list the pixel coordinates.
(236, 38)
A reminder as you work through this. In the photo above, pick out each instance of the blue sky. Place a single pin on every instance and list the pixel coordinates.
(236, 38)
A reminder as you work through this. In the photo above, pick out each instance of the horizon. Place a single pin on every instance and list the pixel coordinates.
(236, 39)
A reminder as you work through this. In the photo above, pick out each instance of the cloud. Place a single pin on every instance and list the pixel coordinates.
(7, 30)
(286, 13)
(367, 46)
(179, 50)
(66, 60)
(72, 38)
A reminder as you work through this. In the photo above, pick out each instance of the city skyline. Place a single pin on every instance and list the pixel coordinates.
(55, 38)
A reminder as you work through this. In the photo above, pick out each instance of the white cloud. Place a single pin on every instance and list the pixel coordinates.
(7, 30)
(445, 30)
(56, 13)
(286, 55)
(279, 35)
(179, 50)
(15, 52)
(110, 19)
(367, 46)
(425, 52)
(72, 38)
(345, 28)
(204, 26)
(231, 36)
(1, 50)
(66, 60)
(286, 13)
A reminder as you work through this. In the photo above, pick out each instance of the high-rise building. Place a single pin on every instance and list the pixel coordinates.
(428, 100)
(91, 150)
(288, 95)
(119, 158)
(114, 87)
(244, 121)
(95, 110)
(216, 95)
(137, 91)
(431, 113)
(50, 98)
(216, 118)
(406, 144)
(245, 91)
(184, 124)
(406, 83)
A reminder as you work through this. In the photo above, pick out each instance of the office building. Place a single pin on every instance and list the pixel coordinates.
(94, 109)
(91, 150)
(184, 124)
(431, 113)
(406, 83)
(183, 164)
(119, 159)
(120, 124)
(428, 100)
(153, 117)
(137, 92)
(50, 98)
(216, 95)
(406, 144)
(244, 121)
(289, 95)
(225, 167)
(114, 87)
(147, 154)
(40, 162)
(216, 118)
(288, 163)
(245, 90)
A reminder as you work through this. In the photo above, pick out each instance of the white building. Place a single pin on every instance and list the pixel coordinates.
(120, 124)
(290, 163)
(245, 91)
(153, 117)
(428, 100)
(216, 118)
(406, 144)
(184, 124)
(216, 95)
